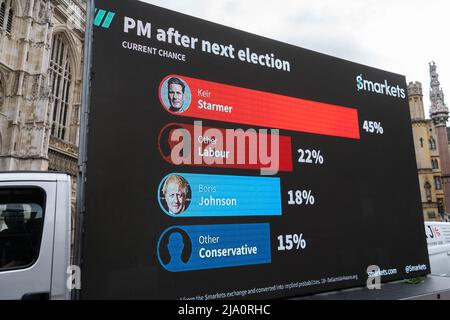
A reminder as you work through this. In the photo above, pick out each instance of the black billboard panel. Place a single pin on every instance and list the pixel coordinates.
(226, 165)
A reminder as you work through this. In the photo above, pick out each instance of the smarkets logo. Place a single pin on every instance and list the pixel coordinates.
(380, 88)
(103, 18)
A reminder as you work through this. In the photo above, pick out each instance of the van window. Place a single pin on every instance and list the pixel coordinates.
(21, 223)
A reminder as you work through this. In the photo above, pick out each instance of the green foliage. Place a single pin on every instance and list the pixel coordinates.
(417, 280)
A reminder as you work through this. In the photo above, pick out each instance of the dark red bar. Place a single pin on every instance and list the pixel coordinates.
(205, 139)
(215, 101)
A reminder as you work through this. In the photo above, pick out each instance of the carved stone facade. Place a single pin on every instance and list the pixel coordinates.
(41, 50)
(431, 164)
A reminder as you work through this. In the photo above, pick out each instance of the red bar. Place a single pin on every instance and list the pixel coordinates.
(215, 101)
(203, 139)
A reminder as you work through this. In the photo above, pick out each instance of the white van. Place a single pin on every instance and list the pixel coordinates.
(34, 235)
(438, 240)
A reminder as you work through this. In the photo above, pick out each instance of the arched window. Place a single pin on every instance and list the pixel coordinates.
(2, 14)
(6, 15)
(435, 163)
(441, 208)
(10, 21)
(2, 93)
(421, 142)
(438, 183)
(61, 82)
(432, 144)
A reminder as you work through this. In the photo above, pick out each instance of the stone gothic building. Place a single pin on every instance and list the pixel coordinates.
(432, 148)
(41, 64)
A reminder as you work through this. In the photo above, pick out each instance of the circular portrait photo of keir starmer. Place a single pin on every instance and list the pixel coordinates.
(175, 194)
(175, 95)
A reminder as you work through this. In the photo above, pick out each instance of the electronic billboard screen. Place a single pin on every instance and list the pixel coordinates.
(222, 164)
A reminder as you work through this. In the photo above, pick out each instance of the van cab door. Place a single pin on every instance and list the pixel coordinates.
(27, 223)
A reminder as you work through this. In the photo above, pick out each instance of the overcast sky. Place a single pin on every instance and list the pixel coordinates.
(401, 36)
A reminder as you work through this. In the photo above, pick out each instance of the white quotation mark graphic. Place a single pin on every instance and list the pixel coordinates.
(374, 278)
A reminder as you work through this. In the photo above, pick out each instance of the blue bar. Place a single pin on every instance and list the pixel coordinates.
(108, 19)
(219, 195)
(187, 248)
(99, 17)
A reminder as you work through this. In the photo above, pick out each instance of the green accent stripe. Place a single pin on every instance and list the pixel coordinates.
(99, 17)
(108, 20)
